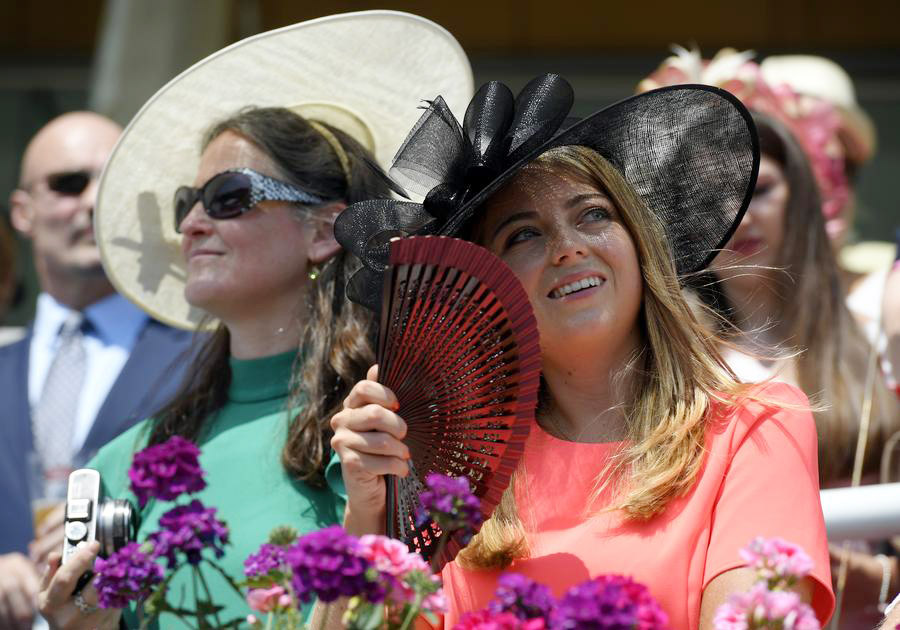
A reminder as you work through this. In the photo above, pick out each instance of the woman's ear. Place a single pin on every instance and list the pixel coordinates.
(323, 245)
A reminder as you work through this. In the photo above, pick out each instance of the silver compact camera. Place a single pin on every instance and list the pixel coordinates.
(111, 522)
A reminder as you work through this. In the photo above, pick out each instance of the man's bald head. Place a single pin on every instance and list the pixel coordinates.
(70, 135)
(54, 204)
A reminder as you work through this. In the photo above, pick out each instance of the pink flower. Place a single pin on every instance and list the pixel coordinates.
(780, 604)
(267, 599)
(390, 556)
(730, 617)
(437, 602)
(395, 559)
(759, 607)
(486, 620)
(251, 619)
(776, 559)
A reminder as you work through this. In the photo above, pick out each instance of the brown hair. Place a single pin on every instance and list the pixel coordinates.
(335, 343)
(676, 375)
(813, 318)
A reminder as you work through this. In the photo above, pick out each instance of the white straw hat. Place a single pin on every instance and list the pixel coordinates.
(365, 73)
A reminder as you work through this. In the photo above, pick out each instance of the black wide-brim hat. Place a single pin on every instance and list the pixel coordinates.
(690, 151)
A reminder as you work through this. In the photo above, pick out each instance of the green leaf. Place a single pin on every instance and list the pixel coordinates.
(283, 535)
(367, 617)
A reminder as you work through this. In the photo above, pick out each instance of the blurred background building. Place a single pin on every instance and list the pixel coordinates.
(111, 55)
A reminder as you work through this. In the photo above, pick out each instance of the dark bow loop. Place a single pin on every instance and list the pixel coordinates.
(480, 152)
(450, 164)
(485, 126)
(433, 153)
(541, 108)
(537, 114)
(365, 229)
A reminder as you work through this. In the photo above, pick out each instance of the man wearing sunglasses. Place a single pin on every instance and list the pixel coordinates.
(91, 365)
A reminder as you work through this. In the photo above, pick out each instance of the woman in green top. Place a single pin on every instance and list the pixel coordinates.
(271, 272)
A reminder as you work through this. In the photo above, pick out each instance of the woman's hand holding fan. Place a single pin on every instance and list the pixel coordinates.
(368, 437)
(459, 362)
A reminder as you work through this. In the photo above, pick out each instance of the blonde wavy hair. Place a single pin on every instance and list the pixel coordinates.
(676, 375)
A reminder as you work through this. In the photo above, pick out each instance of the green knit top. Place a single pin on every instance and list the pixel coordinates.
(241, 454)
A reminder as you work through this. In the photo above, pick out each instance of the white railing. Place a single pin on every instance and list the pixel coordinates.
(862, 513)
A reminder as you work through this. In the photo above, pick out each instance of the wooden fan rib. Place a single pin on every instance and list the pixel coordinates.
(432, 307)
(482, 418)
(499, 336)
(407, 319)
(396, 279)
(422, 352)
(461, 362)
(425, 306)
(481, 383)
(448, 317)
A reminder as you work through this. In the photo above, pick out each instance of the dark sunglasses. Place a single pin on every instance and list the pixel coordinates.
(233, 192)
(69, 182)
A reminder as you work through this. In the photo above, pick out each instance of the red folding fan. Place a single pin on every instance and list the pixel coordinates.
(459, 347)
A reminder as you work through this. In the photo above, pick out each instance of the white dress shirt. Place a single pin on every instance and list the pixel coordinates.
(115, 326)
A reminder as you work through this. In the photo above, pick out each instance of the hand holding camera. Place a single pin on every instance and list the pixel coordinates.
(111, 522)
(93, 526)
(55, 599)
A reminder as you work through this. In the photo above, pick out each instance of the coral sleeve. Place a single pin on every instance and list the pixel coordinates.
(771, 489)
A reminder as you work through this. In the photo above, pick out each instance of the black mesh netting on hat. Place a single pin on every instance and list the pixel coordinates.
(689, 151)
(691, 154)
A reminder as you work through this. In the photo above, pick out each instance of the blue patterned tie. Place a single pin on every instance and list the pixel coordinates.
(54, 415)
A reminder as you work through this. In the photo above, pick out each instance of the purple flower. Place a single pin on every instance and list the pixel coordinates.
(127, 575)
(450, 503)
(189, 529)
(327, 564)
(269, 558)
(166, 471)
(609, 602)
(524, 598)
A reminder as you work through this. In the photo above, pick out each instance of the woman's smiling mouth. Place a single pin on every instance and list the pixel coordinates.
(575, 287)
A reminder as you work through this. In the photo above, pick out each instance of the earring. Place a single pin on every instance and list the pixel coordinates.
(313, 273)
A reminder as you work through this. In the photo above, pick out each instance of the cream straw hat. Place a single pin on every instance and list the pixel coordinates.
(824, 79)
(365, 73)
